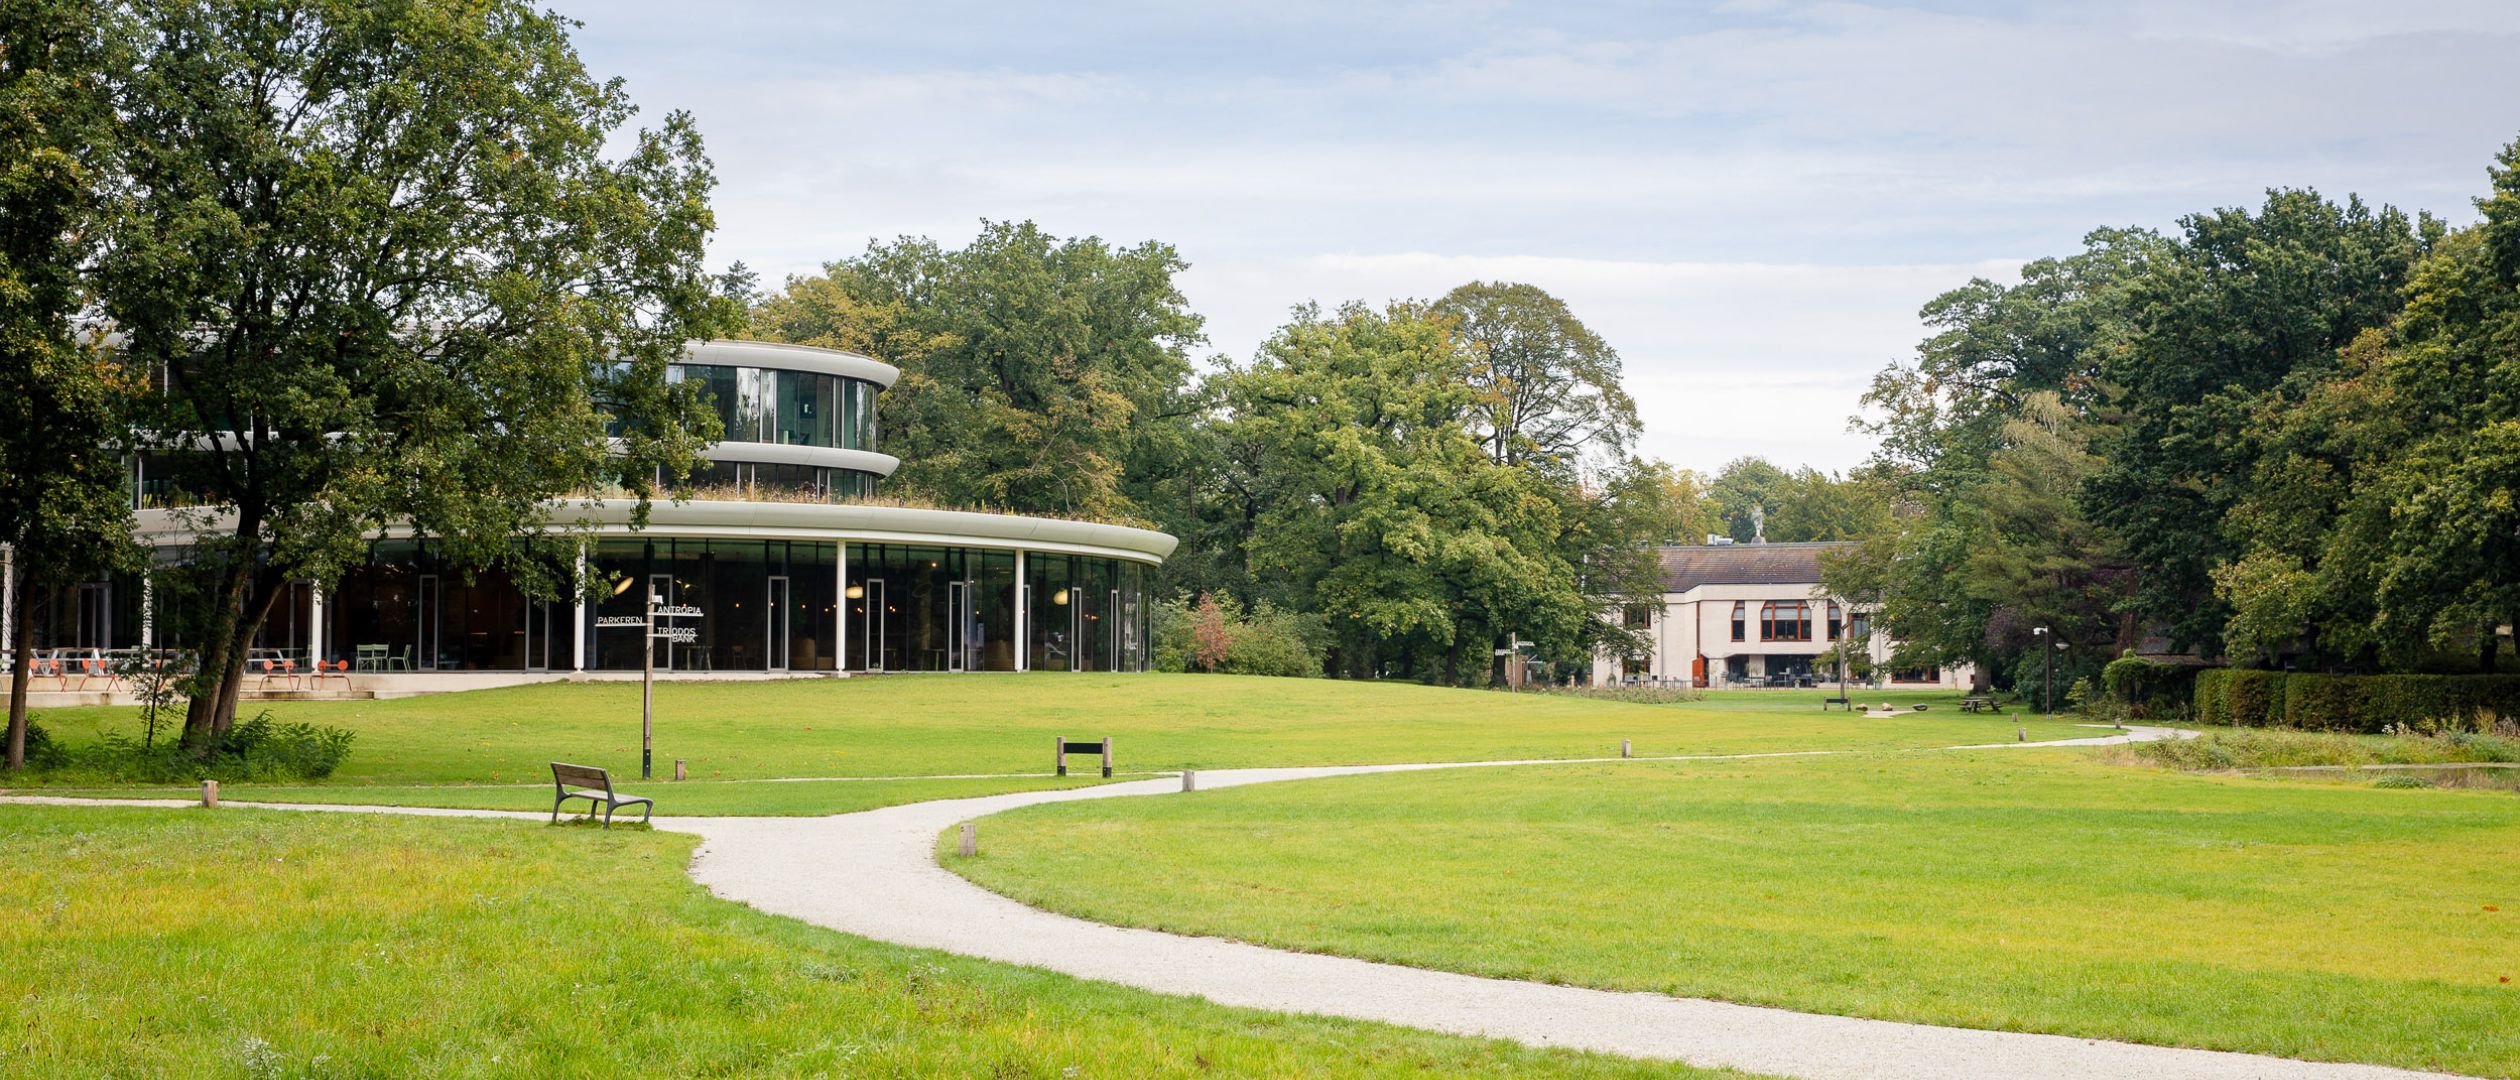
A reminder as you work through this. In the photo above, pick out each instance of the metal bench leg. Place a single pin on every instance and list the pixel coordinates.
(608, 809)
(555, 808)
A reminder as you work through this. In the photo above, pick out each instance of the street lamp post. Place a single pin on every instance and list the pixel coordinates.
(2047, 671)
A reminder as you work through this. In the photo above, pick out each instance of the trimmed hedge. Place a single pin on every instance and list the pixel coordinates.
(2157, 688)
(2366, 703)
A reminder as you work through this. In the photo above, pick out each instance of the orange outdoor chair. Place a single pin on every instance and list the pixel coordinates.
(278, 669)
(92, 669)
(337, 669)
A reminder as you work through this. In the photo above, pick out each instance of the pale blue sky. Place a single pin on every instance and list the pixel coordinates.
(1749, 199)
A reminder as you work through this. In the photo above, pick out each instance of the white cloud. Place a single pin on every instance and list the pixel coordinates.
(1724, 359)
(1749, 198)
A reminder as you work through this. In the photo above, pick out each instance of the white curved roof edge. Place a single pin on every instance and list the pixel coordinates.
(799, 521)
(829, 457)
(733, 352)
(736, 352)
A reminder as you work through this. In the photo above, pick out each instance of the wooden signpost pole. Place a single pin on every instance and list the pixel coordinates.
(647, 688)
(646, 622)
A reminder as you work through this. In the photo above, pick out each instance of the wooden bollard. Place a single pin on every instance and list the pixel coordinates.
(970, 839)
(1106, 757)
(679, 774)
(1058, 752)
(209, 794)
(1189, 779)
(1626, 750)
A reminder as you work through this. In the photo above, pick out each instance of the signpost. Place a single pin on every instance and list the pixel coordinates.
(680, 635)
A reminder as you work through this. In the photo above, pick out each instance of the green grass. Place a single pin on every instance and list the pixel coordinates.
(268, 944)
(698, 798)
(2032, 890)
(910, 725)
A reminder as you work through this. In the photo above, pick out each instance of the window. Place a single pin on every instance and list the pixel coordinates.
(1639, 615)
(1740, 619)
(1859, 626)
(1785, 620)
(1836, 620)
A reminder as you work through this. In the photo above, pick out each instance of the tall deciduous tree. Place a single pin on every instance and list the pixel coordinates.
(1985, 442)
(385, 270)
(1035, 370)
(1375, 497)
(1755, 500)
(65, 507)
(2453, 570)
(1549, 385)
(2244, 310)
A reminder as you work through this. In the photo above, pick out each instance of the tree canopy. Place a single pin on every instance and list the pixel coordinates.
(64, 510)
(383, 268)
(2278, 434)
(1036, 371)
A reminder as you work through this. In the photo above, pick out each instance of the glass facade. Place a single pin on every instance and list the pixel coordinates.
(766, 605)
(794, 408)
(1087, 614)
(813, 482)
(923, 608)
(406, 610)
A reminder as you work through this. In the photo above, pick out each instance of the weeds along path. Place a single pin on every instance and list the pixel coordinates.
(874, 874)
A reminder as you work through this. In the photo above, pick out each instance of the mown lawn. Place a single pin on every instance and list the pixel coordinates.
(922, 725)
(240, 943)
(697, 798)
(2040, 890)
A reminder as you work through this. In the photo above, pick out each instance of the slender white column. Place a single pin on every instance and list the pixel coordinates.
(314, 627)
(840, 607)
(148, 610)
(577, 626)
(1023, 597)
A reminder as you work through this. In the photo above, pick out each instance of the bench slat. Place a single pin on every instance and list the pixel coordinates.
(581, 776)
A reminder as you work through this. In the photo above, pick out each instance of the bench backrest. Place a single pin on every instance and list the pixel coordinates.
(567, 776)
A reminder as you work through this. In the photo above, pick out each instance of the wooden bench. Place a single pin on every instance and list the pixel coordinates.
(1977, 703)
(595, 786)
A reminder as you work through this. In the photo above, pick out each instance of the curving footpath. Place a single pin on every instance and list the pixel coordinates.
(874, 874)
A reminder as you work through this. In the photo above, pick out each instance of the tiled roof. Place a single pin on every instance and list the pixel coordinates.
(1688, 566)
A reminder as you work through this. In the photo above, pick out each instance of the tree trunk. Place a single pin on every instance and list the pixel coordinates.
(1452, 662)
(246, 601)
(2487, 644)
(21, 665)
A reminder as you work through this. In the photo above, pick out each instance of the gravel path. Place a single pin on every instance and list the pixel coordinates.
(874, 874)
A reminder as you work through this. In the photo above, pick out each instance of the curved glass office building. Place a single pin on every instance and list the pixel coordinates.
(790, 574)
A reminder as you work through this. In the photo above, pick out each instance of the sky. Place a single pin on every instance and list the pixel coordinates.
(1749, 200)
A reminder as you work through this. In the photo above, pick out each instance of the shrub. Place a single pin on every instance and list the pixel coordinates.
(2149, 687)
(2401, 781)
(1219, 635)
(2254, 748)
(2323, 702)
(2366, 703)
(2256, 698)
(2438, 701)
(258, 749)
(2212, 696)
